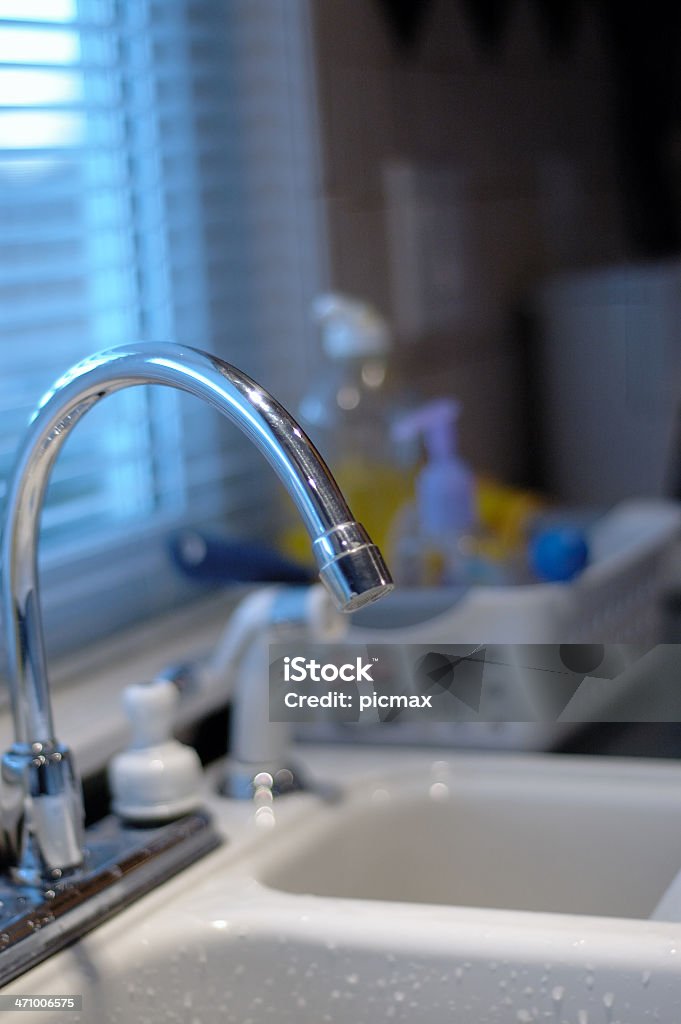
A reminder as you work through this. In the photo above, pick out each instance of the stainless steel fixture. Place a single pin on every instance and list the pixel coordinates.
(41, 796)
(122, 864)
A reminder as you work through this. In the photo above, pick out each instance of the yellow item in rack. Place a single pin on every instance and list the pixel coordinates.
(506, 512)
(374, 492)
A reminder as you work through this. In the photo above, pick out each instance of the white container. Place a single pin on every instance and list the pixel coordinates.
(610, 363)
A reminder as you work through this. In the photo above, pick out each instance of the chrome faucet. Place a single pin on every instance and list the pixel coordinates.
(41, 795)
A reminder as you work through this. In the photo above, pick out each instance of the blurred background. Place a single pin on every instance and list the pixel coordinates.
(368, 205)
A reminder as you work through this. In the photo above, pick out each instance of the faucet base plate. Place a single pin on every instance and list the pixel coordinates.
(122, 864)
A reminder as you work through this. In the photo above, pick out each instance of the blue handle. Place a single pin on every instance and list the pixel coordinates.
(213, 558)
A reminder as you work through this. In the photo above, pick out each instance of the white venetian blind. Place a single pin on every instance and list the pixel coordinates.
(156, 182)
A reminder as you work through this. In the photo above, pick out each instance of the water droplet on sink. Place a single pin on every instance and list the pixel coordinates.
(582, 1017)
(398, 997)
(264, 817)
(558, 994)
(609, 1000)
(645, 978)
(380, 796)
(352, 979)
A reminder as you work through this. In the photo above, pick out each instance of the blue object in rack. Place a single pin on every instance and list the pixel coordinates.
(559, 553)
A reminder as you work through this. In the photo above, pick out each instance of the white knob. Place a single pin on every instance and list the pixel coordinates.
(157, 778)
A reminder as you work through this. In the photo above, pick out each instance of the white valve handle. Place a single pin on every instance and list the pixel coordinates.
(157, 778)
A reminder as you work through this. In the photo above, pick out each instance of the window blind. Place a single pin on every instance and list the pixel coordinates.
(157, 182)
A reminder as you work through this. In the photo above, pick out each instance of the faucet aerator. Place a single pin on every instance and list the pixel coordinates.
(356, 578)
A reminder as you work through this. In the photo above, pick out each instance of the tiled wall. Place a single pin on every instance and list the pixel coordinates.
(509, 158)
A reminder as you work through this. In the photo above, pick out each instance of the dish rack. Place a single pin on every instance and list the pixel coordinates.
(616, 598)
(617, 601)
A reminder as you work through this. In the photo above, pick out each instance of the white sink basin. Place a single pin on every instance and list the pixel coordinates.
(485, 891)
(570, 838)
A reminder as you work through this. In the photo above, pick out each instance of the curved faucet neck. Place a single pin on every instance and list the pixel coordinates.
(349, 564)
(278, 436)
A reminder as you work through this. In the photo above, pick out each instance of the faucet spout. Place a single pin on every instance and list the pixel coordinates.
(41, 802)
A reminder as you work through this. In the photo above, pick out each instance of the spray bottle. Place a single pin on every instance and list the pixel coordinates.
(435, 538)
(355, 339)
(348, 412)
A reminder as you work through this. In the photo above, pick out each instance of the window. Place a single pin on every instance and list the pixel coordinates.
(157, 175)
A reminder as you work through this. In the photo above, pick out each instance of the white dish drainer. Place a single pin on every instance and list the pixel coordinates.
(617, 600)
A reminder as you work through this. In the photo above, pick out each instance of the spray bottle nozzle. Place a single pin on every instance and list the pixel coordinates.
(350, 327)
(436, 423)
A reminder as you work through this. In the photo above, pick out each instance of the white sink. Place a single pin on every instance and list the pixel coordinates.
(550, 835)
(481, 891)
